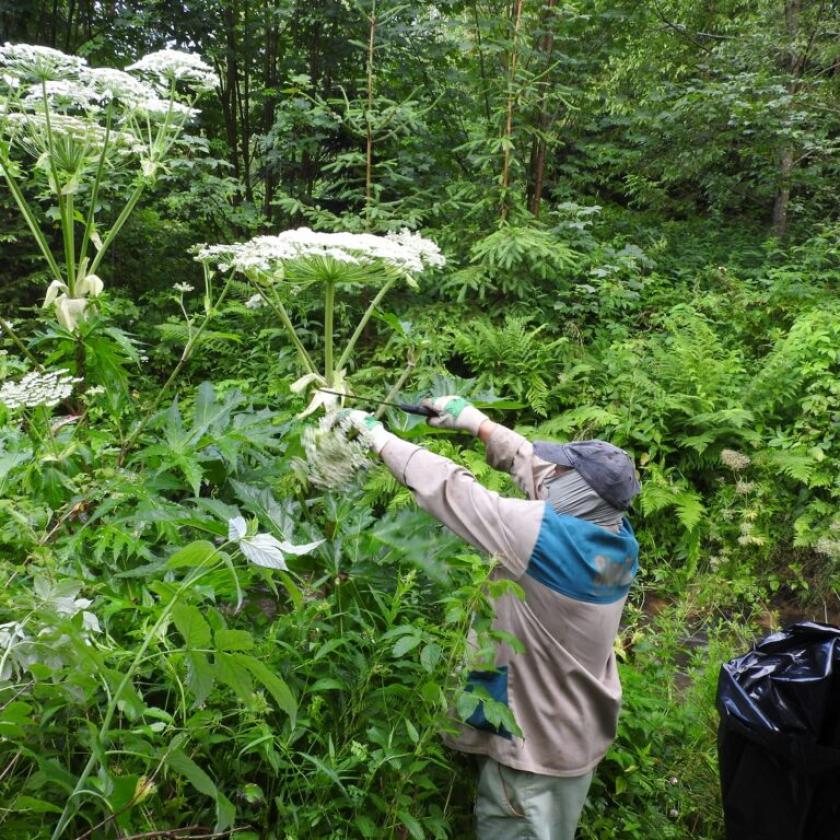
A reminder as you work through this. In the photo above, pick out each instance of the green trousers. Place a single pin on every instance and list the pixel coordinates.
(515, 805)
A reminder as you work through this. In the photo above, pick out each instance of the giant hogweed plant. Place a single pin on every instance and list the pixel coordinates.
(281, 267)
(80, 133)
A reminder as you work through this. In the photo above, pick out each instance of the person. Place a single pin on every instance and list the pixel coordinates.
(574, 555)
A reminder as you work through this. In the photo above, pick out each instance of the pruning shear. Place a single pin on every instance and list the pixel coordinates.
(408, 408)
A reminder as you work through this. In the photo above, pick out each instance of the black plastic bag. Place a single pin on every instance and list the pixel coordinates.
(779, 737)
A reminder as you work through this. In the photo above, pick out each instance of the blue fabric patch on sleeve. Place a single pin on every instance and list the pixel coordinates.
(582, 560)
(495, 683)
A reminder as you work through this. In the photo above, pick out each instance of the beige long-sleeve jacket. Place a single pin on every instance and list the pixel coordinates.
(563, 690)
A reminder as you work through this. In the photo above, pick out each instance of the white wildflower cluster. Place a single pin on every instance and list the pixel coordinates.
(31, 129)
(264, 549)
(64, 94)
(36, 389)
(744, 488)
(159, 109)
(828, 548)
(734, 460)
(110, 84)
(168, 66)
(254, 302)
(36, 80)
(336, 449)
(267, 255)
(35, 63)
(183, 288)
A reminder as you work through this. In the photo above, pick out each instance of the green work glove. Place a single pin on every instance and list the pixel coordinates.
(372, 430)
(454, 412)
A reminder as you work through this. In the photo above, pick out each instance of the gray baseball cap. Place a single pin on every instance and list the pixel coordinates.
(608, 470)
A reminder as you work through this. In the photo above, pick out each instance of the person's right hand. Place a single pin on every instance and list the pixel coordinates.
(454, 412)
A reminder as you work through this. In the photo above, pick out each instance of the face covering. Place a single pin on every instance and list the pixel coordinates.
(569, 494)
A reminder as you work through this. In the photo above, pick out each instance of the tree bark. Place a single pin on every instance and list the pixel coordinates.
(543, 121)
(272, 48)
(229, 89)
(795, 66)
(507, 134)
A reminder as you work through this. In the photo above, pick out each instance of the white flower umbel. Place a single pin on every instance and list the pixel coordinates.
(34, 63)
(34, 127)
(116, 84)
(336, 450)
(268, 255)
(167, 66)
(183, 288)
(254, 302)
(264, 549)
(159, 109)
(36, 389)
(734, 460)
(65, 95)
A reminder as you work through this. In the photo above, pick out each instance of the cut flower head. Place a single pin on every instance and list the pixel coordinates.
(336, 450)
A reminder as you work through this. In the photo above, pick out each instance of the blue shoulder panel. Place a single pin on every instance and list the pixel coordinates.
(582, 560)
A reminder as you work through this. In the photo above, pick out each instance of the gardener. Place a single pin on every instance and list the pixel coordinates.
(574, 555)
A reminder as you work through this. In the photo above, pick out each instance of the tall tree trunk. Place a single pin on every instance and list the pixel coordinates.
(272, 48)
(543, 121)
(369, 117)
(795, 62)
(68, 32)
(507, 134)
(244, 102)
(230, 87)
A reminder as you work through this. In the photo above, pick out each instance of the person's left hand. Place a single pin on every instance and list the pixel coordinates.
(372, 429)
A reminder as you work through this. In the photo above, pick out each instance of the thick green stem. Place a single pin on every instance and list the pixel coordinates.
(50, 145)
(7, 329)
(94, 195)
(151, 635)
(68, 232)
(33, 226)
(348, 350)
(121, 220)
(329, 313)
(280, 310)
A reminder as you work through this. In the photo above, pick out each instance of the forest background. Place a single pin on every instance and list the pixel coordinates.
(637, 203)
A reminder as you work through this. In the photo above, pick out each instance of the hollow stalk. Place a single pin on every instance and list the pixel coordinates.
(329, 312)
(348, 350)
(29, 218)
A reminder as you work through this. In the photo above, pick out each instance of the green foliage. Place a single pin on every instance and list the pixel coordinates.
(637, 206)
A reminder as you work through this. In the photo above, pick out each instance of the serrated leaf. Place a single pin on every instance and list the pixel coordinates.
(466, 704)
(230, 670)
(191, 625)
(412, 824)
(200, 677)
(234, 640)
(430, 656)
(405, 644)
(191, 555)
(275, 686)
(237, 528)
(263, 550)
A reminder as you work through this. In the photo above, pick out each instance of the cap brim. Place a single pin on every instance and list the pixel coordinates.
(554, 453)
